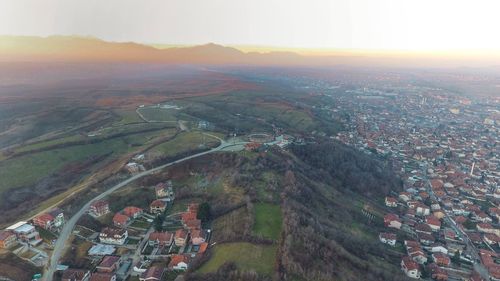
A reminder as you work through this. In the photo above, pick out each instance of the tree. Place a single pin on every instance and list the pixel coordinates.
(456, 257)
(204, 212)
(158, 223)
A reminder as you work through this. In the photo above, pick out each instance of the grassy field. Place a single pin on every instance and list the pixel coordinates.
(127, 117)
(158, 114)
(185, 141)
(31, 168)
(245, 255)
(267, 220)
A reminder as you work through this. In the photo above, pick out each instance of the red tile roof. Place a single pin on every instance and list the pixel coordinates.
(120, 219)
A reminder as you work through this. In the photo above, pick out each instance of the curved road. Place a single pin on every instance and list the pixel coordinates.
(70, 224)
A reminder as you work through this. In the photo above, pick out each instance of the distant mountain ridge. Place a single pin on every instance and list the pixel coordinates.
(77, 49)
(90, 49)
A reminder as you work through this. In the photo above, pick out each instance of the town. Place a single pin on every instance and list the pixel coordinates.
(446, 150)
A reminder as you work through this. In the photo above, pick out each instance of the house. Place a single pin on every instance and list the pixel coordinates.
(164, 190)
(392, 220)
(132, 212)
(252, 146)
(422, 209)
(154, 273)
(387, 238)
(439, 249)
(161, 239)
(58, 216)
(203, 248)
(404, 196)
(418, 256)
(481, 216)
(7, 239)
(433, 222)
(179, 262)
(100, 276)
(161, 190)
(44, 221)
(391, 202)
(437, 273)
(99, 208)
(26, 233)
(491, 239)
(180, 237)
(426, 239)
(435, 206)
(188, 216)
(193, 224)
(120, 220)
(108, 264)
(487, 228)
(133, 167)
(197, 236)
(115, 236)
(439, 214)
(441, 259)
(75, 275)
(157, 207)
(410, 268)
(423, 228)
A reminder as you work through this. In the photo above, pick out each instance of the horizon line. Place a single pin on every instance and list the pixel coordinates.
(307, 51)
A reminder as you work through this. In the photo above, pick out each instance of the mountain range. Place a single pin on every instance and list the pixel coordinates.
(90, 49)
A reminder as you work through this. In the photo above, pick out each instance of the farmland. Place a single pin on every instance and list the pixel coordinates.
(245, 255)
(267, 221)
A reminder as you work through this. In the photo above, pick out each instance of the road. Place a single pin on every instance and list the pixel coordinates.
(465, 238)
(70, 224)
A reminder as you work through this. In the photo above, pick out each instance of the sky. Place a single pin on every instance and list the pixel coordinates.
(422, 25)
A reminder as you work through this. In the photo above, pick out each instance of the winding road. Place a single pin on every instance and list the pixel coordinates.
(70, 224)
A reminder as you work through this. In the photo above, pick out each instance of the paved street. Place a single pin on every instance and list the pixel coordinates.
(70, 224)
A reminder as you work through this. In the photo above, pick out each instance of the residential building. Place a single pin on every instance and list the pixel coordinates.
(441, 259)
(101, 276)
(161, 239)
(120, 220)
(391, 202)
(197, 236)
(154, 273)
(132, 212)
(99, 208)
(181, 236)
(44, 221)
(387, 238)
(157, 207)
(392, 220)
(26, 233)
(410, 268)
(108, 264)
(7, 239)
(75, 275)
(179, 262)
(115, 236)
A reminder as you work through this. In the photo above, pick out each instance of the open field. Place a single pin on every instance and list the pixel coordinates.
(245, 255)
(267, 221)
(157, 113)
(184, 142)
(231, 226)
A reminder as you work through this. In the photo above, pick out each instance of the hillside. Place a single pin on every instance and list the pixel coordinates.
(278, 216)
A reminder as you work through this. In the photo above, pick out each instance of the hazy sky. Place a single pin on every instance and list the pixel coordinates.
(362, 24)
